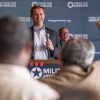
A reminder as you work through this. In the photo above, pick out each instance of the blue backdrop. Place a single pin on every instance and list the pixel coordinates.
(80, 16)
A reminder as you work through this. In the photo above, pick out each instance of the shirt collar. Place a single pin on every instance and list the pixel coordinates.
(35, 28)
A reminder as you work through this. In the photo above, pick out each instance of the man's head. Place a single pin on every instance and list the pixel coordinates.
(78, 51)
(64, 34)
(14, 41)
(37, 14)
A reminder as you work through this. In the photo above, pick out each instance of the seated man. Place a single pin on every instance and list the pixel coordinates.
(15, 50)
(77, 56)
(65, 35)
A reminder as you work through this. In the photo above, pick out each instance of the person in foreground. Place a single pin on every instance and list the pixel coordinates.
(45, 40)
(77, 57)
(15, 50)
(76, 93)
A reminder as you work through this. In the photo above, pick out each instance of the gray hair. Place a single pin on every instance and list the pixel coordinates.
(78, 51)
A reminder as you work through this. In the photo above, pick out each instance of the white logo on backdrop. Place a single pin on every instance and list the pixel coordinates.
(7, 4)
(80, 35)
(93, 19)
(43, 4)
(70, 4)
(59, 20)
(24, 19)
(77, 4)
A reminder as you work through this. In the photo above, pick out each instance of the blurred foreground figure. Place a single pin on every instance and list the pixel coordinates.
(93, 79)
(75, 93)
(77, 57)
(15, 50)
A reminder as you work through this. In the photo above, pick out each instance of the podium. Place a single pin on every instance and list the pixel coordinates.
(43, 68)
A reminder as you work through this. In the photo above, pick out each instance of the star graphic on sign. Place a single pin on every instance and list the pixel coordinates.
(36, 72)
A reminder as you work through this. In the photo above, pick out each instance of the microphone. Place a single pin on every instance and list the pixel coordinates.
(48, 36)
(49, 42)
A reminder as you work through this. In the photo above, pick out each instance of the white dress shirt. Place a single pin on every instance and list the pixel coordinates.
(40, 50)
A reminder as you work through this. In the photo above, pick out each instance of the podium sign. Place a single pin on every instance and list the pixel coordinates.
(43, 68)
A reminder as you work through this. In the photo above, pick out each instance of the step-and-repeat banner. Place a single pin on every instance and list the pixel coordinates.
(80, 16)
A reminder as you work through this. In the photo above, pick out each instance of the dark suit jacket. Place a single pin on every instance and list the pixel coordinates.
(61, 43)
(54, 38)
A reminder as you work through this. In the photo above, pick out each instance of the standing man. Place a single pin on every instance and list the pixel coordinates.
(45, 40)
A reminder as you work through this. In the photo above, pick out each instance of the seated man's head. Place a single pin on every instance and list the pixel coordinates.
(15, 43)
(78, 51)
(64, 34)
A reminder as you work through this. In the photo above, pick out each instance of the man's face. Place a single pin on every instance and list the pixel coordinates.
(65, 35)
(38, 16)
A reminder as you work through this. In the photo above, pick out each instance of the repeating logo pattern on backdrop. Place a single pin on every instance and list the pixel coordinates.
(80, 16)
(43, 4)
(77, 4)
(7, 4)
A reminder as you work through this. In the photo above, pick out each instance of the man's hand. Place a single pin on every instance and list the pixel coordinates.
(49, 45)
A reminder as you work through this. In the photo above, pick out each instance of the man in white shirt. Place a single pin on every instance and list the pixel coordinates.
(45, 40)
(15, 50)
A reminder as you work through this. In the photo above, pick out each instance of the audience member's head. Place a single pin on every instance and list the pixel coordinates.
(78, 94)
(64, 34)
(15, 44)
(78, 51)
